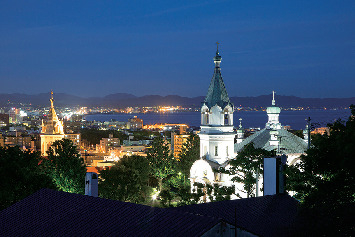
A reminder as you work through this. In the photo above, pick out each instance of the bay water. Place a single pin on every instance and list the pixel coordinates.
(250, 119)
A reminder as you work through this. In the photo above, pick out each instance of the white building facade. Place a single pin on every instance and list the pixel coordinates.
(216, 134)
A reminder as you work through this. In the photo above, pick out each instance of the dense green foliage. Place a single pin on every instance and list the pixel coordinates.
(324, 180)
(246, 165)
(144, 135)
(126, 181)
(65, 167)
(93, 136)
(190, 152)
(161, 161)
(22, 175)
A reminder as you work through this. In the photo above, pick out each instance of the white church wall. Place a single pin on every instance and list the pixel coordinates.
(200, 172)
(216, 115)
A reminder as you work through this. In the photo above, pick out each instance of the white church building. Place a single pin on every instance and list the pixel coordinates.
(217, 135)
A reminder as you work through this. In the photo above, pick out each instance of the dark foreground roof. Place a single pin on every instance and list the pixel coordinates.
(273, 215)
(54, 213)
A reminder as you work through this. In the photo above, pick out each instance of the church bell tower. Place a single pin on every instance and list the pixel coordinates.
(52, 129)
(217, 135)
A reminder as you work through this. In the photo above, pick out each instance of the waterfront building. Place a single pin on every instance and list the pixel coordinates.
(135, 123)
(52, 129)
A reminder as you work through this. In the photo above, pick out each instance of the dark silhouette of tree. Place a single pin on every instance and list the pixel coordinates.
(65, 167)
(21, 175)
(324, 180)
(246, 166)
(93, 136)
(126, 181)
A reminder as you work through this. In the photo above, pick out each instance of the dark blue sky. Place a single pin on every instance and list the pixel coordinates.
(95, 48)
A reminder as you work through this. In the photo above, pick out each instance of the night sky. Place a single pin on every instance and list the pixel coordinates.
(96, 48)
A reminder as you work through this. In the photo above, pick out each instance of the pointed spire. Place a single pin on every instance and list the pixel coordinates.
(273, 98)
(240, 123)
(217, 93)
(51, 99)
(217, 59)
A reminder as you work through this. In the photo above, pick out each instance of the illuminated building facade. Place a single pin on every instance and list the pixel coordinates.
(107, 144)
(135, 123)
(52, 129)
(178, 141)
(216, 135)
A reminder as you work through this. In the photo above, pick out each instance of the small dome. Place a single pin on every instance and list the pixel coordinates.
(273, 110)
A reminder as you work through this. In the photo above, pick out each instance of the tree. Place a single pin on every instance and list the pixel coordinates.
(324, 180)
(65, 167)
(190, 152)
(22, 175)
(246, 166)
(127, 180)
(161, 161)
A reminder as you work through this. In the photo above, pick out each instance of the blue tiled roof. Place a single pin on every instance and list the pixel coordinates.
(290, 143)
(273, 215)
(54, 213)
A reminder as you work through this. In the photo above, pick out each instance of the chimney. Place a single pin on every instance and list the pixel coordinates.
(91, 184)
(274, 177)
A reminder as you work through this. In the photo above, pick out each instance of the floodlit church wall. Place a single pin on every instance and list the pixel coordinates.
(216, 116)
(219, 148)
(201, 172)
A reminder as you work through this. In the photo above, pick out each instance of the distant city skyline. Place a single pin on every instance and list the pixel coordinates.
(91, 48)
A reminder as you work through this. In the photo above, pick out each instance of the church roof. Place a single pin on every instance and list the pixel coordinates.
(290, 143)
(217, 93)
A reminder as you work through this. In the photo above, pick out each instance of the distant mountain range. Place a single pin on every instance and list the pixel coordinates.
(123, 100)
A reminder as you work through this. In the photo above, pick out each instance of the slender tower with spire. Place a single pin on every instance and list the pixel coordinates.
(273, 113)
(217, 135)
(52, 129)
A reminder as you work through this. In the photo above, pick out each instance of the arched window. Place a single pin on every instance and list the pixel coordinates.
(226, 119)
(216, 150)
(206, 118)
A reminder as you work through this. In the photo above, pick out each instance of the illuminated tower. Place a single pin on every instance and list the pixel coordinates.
(216, 135)
(273, 113)
(52, 129)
